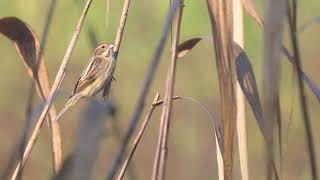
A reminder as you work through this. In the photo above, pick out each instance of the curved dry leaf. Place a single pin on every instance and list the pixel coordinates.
(187, 45)
(221, 17)
(28, 47)
(23, 37)
(251, 8)
(249, 88)
(248, 83)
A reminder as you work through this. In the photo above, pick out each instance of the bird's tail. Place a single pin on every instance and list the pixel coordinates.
(71, 102)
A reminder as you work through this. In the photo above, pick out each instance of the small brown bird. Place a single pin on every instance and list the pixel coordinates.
(96, 76)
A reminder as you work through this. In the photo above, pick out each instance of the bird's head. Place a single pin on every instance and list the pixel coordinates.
(104, 49)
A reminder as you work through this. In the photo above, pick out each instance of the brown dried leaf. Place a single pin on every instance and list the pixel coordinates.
(251, 8)
(220, 12)
(28, 47)
(248, 83)
(187, 45)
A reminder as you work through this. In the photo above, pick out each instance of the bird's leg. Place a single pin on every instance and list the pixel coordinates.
(113, 79)
(106, 90)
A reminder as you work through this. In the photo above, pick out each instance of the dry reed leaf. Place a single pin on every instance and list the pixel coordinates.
(187, 45)
(251, 8)
(222, 29)
(248, 83)
(65, 168)
(28, 48)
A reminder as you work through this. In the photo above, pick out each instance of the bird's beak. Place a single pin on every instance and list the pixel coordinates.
(111, 46)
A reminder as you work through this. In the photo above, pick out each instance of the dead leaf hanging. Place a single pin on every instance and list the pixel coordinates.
(187, 45)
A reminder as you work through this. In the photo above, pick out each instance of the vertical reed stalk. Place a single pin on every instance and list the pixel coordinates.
(154, 61)
(123, 20)
(241, 121)
(162, 149)
(220, 12)
(273, 30)
(292, 17)
(138, 137)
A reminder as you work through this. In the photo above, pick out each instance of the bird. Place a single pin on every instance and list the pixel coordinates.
(96, 76)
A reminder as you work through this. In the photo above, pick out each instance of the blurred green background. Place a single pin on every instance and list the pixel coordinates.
(191, 149)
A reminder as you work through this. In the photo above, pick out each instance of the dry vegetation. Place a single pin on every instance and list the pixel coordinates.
(237, 83)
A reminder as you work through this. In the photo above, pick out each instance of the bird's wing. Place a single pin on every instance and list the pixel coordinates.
(90, 74)
(106, 90)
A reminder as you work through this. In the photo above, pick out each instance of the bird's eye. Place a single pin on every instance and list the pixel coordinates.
(103, 46)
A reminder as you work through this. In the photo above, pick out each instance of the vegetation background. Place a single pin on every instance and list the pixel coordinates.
(192, 146)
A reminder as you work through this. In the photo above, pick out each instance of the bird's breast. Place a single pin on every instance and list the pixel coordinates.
(102, 80)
